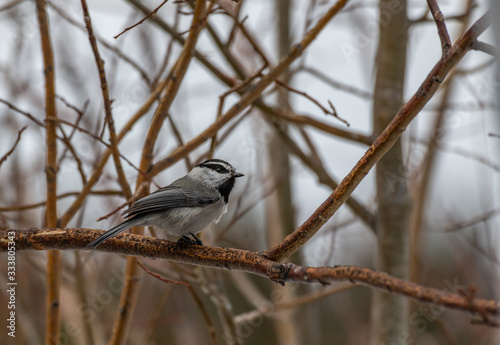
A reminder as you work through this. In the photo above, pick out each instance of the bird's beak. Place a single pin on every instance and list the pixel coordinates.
(237, 174)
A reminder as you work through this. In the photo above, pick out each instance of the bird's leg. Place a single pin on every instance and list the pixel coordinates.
(184, 241)
(196, 239)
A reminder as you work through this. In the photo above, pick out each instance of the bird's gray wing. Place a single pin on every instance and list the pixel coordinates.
(169, 197)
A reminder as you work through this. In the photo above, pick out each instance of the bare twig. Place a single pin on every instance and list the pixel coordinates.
(441, 26)
(178, 136)
(222, 99)
(18, 208)
(269, 310)
(10, 5)
(122, 180)
(5, 156)
(473, 221)
(104, 43)
(69, 147)
(336, 84)
(330, 111)
(157, 276)
(485, 48)
(251, 40)
(224, 49)
(28, 115)
(204, 313)
(168, 53)
(141, 190)
(153, 13)
(305, 120)
(459, 17)
(80, 112)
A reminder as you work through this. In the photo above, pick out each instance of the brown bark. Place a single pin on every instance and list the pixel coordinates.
(251, 262)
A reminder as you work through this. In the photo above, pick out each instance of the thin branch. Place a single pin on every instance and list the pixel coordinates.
(104, 43)
(330, 111)
(53, 314)
(458, 151)
(251, 40)
(306, 120)
(459, 17)
(246, 261)
(178, 136)
(168, 53)
(336, 84)
(18, 208)
(154, 316)
(269, 310)
(10, 5)
(80, 112)
(224, 49)
(139, 191)
(28, 115)
(69, 147)
(153, 13)
(67, 138)
(485, 48)
(383, 143)
(4, 158)
(204, 313)
(473, 221)
(159, 277)
(238, 87)
(122, 180)
(441, 26)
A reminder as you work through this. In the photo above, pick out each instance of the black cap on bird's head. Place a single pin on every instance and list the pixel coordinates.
(220, 166)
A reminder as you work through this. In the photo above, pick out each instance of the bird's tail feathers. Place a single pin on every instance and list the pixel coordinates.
(113, 232)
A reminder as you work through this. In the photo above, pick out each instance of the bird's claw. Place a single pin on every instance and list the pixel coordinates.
(186, 241)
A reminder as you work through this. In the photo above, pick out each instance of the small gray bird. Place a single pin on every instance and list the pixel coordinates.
(185, 207)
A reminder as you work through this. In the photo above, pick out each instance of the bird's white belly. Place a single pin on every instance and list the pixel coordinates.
(185, 220)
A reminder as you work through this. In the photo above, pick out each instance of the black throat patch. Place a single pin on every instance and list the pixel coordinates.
(225, 188)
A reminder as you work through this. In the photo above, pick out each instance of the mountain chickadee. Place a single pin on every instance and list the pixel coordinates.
(186, 206)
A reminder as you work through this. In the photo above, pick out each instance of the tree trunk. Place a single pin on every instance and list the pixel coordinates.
(390, 312)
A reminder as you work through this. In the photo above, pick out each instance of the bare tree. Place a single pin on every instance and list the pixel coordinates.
(92, 123)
